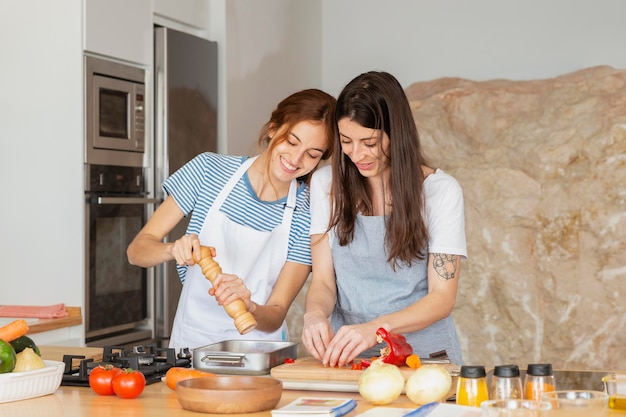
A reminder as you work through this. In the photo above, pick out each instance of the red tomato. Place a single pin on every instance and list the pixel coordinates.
(129, 383)
(100, 379)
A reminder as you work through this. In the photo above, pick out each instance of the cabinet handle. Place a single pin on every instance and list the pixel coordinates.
(125, 200)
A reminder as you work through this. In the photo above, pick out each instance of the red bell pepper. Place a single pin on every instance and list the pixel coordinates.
(397, 349)
(360, 364)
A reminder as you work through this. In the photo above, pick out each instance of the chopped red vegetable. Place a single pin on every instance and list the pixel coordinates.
(397, 349)
(360, 364)
(290, 360)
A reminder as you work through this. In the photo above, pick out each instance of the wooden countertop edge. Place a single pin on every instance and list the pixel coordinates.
(74, 318)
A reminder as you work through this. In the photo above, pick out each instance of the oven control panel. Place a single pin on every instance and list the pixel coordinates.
(114, 179)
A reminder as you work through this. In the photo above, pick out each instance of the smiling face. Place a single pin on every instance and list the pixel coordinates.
(367, 148)
(300, 151)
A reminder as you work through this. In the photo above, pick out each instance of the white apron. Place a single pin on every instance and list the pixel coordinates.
(257, 257)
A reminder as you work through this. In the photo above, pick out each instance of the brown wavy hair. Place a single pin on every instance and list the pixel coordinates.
(312, 105)
(376, 100)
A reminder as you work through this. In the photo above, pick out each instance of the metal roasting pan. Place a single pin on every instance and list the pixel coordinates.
(243, 357)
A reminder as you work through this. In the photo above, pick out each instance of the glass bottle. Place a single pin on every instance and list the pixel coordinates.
(506, 383)
(539, 379)
(472, 386)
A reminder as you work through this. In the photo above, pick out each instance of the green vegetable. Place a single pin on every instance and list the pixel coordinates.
(7, 357)
(23, 342)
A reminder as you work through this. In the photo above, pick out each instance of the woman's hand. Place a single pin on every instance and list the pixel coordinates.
(349, 342)
(185, 248)
(316, 334)
(228, 288)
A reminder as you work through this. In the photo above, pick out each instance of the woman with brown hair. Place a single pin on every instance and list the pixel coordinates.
(387, 234)
(255, 213)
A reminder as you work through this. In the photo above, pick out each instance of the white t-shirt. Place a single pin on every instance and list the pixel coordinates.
(444, 210)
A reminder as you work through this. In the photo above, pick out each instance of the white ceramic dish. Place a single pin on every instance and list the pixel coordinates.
(15, 386)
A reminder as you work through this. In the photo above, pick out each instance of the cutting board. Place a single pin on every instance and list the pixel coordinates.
(311, 369)
(308, 373)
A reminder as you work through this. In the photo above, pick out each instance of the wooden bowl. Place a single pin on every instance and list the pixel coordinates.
(229, 394)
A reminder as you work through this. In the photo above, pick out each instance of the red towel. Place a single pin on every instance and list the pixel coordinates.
(42, 312)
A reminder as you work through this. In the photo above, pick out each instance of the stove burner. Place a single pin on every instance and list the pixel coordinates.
(151, 361)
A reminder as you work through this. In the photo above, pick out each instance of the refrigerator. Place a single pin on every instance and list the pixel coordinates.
(185, 117)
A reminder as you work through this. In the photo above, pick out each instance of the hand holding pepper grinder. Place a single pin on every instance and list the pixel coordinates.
(244, 320)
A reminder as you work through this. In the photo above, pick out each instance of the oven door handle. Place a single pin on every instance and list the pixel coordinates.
(125, 200)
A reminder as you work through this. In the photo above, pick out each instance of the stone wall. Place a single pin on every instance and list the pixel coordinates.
(542, 164)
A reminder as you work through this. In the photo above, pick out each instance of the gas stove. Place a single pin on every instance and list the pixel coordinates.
(153, 362)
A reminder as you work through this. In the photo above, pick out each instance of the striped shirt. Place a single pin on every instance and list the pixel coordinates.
(195, 187)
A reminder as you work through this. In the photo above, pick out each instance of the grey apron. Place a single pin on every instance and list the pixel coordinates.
(368, 288)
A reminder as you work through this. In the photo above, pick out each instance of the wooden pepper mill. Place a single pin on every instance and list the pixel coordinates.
(244, 320)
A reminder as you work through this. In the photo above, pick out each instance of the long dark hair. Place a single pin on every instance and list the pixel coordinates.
(311, 105)
(376, 100)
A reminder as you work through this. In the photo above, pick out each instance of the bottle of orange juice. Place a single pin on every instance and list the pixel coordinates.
(472, 388)
(539, 379)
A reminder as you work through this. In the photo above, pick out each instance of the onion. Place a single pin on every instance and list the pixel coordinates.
(381, 383)
(429, 383)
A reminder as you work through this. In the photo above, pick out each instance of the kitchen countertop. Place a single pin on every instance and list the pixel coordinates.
(56, 353)
(157, 400)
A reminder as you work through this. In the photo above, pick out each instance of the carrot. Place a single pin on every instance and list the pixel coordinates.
(175, 374)
(13, 330)
(413, 361)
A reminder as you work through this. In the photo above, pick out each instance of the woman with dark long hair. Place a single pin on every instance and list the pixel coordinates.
(387, 234)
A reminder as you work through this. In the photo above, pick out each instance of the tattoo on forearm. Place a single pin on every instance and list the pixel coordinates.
(445, 265)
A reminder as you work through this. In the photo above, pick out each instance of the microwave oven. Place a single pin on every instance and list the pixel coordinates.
(115, 113)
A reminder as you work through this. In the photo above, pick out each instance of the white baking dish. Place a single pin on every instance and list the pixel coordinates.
(16, 386)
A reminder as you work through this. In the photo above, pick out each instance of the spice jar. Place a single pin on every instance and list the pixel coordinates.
(539, 379)
(472, 386)
(615, 386)
(506, 383)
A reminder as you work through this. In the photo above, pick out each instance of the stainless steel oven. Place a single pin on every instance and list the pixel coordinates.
(117, 302)
(115, 112)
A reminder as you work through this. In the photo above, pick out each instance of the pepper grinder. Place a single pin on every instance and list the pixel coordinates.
(244, 320)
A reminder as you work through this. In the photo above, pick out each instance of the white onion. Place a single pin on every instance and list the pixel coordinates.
(381, 383)
(429, 383)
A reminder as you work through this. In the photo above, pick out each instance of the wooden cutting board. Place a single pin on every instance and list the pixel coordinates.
(308, 374)
(310, 369)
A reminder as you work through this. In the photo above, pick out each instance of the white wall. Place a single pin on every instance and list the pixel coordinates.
(41, 159)
(272, 50)
(479, 39)
(274, 47)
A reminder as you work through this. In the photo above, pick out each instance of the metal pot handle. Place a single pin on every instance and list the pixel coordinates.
(224, 359)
